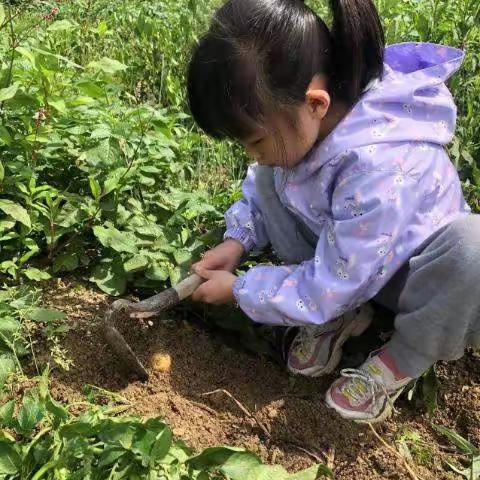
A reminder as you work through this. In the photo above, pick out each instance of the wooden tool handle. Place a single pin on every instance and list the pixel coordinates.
(186, 287)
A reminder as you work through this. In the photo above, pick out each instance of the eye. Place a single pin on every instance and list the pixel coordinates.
(257, 142)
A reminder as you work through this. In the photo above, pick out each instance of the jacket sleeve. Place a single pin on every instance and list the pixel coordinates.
(357, 252)
(244, 218)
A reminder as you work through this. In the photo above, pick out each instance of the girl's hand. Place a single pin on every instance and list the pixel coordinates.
(225, 256)
(218, 289)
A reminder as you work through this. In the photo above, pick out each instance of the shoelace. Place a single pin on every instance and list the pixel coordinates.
(362, 384)
(302, 340)
(307, 333)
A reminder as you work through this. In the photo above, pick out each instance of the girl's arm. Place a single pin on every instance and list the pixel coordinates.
(244, 218)
(357, 252)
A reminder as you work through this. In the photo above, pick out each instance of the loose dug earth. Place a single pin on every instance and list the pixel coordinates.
(297, 423)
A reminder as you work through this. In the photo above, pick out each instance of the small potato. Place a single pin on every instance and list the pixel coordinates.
(161, 362)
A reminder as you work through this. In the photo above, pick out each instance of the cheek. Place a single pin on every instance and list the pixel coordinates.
(311, 129)
(301, 142)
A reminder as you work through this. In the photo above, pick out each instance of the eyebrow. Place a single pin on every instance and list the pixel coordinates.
(255, 138)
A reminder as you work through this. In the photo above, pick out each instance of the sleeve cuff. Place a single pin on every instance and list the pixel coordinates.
(238, 284)
(243, 235)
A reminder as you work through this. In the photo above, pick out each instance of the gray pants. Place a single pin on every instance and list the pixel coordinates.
(436, 295)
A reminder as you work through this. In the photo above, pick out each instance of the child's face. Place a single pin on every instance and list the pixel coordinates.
(283, 142)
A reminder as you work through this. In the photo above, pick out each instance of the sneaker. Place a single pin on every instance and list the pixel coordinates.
(317, 351)
(367, 395)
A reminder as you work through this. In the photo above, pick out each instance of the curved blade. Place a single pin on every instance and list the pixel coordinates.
(123, 351)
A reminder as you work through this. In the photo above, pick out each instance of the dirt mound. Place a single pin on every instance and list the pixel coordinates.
(256, 404)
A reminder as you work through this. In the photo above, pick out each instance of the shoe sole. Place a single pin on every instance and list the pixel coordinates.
(384, 414)
(356, 326)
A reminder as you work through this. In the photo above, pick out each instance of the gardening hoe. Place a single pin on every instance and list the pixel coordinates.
(151, 307)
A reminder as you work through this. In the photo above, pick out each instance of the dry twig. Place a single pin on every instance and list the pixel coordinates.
(249, 414)
(264, 429)
(393, 450)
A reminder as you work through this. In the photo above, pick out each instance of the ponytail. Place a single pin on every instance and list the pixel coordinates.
(358, 43)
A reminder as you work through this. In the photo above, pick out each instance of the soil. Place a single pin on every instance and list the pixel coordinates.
(281, 418)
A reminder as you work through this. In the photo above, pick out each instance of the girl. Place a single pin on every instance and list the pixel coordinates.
(352, 188)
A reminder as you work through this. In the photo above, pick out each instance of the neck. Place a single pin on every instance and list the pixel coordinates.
(335, 115)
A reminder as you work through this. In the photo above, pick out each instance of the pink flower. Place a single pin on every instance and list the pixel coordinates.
(40, 116)
(50, 16)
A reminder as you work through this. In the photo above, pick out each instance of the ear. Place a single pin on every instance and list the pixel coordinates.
(317, 98)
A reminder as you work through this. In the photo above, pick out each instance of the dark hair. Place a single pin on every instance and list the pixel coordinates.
(259, 56)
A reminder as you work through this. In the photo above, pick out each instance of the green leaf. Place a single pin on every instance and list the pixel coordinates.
(119, 432)
(2, 14)
(5, 136)
(10, 460)
(136, 264)
(101, 132)
(142, 445)
(263, 472)
(158, 272)
(95, 187)
(28, 55)
(110, 277)
(58, 105)
(2, 172)
(9, 92)
(110, 455)
(176, 274)
(430, 390)
(30, 415)
(312, 473)
(213, 457)
(239, 465)
(113, 238)
(6, 414)
(471, 473)
(474, 471)
(91, 89)
(9, 329)
(45, 315)
(60, 414)
(65, 262)
(58, 57)
(7, 366)
(16, 211)
(36, 275)
(182, 256)
(161, 447)
(107, 65)
(61, 26)
(461, 443)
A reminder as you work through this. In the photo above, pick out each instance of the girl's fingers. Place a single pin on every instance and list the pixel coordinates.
(203, 272)
(199, 294)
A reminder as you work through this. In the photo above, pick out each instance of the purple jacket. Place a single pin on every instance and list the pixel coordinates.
(373, 191)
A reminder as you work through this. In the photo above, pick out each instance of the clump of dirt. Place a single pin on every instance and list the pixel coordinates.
(214, 395)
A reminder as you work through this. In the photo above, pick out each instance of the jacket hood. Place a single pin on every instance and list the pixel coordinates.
(411, 103)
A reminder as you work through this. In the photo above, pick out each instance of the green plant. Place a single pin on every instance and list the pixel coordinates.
(471, 452)
(43, 440)
(416, 450)
(21, 321)
(91, 175)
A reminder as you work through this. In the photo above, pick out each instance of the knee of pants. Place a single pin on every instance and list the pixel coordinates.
(465, 233)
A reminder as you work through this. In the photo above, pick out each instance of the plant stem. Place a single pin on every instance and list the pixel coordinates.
(48, 466)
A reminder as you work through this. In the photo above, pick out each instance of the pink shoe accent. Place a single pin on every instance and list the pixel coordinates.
(389, 362)
(296, 362)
